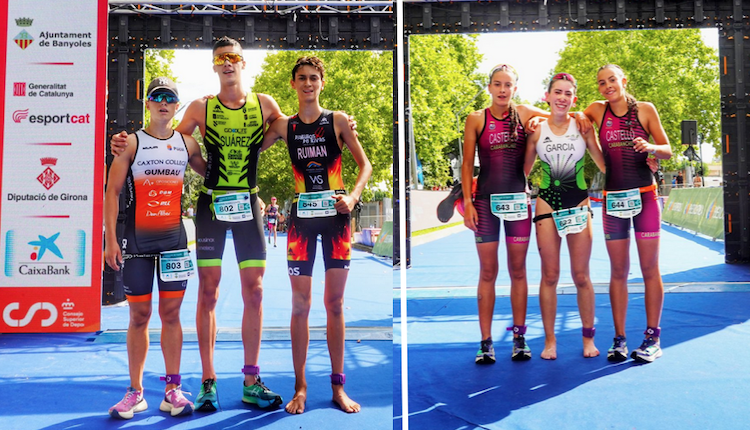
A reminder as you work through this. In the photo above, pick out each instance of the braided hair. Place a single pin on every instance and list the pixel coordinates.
(515, 118)
(632, 102)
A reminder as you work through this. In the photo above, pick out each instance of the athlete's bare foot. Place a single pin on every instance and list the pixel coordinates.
(550, 349)
(297, 404)
(589, 349)
(345, 403)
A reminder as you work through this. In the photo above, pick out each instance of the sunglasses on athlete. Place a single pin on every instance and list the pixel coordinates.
(161, 97)
(227, 56)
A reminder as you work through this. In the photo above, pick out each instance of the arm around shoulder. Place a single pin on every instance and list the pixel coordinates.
(271, 109)
(195, 158)
(195, 116)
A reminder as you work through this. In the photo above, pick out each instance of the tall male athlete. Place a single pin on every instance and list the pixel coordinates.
(232, 126)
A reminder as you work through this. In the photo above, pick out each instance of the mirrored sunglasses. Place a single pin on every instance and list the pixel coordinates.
(161, 97)
(227, 56)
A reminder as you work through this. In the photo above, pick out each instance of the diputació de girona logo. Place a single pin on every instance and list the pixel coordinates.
(23, 39)
(48, 178)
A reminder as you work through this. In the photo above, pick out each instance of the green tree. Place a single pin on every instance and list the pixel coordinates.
(673, 69)
(443, 83)
(357, 82)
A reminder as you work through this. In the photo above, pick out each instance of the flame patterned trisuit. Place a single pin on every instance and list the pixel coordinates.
(500, 171)
(627, 169)
(153, 223)
(316, 163)
(233, 140)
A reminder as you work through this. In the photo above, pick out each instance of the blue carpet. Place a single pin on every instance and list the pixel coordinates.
(66, 381)
(699, 378)
(700, 382)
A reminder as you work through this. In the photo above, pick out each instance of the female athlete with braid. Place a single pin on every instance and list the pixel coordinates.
(498, 133)
(625, 126)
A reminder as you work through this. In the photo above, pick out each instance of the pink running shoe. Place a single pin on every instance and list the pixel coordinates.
(131, 403)
(175, 403)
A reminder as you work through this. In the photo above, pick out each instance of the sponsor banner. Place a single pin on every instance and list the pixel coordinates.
(384, 246)
(52, 101)
(697, 209)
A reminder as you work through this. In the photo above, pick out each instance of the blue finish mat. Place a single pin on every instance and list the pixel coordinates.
(700, 382)
(63, 381)
(66, 381)
(701, 378)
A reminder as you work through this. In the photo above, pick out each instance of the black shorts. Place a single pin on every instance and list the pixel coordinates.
(138, 280)
(141, 263)
(211, 235)
(302, 239)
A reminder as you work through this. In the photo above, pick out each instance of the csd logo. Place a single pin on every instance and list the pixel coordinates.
(45, 306)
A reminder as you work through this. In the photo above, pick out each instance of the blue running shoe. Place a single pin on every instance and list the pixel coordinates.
(486, 353)
(208, 399)
(649, 351)
(618, 352)
(521, 351)
(260, 395)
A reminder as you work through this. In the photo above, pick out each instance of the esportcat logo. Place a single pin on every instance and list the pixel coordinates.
(20, 115)
(45, 120)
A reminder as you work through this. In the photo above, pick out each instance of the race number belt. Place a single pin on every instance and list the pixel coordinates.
(626, 203)
(316, 205)
(175, 265)
(272, 220)
(510, 206)
(573, 220)
(231, 206)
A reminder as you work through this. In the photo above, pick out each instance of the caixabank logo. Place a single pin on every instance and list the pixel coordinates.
(46, 254)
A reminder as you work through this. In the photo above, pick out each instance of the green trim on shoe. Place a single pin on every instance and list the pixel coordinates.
(208, 398)
(258, 394)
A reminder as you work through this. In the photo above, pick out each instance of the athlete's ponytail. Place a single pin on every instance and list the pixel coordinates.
(515, 120)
